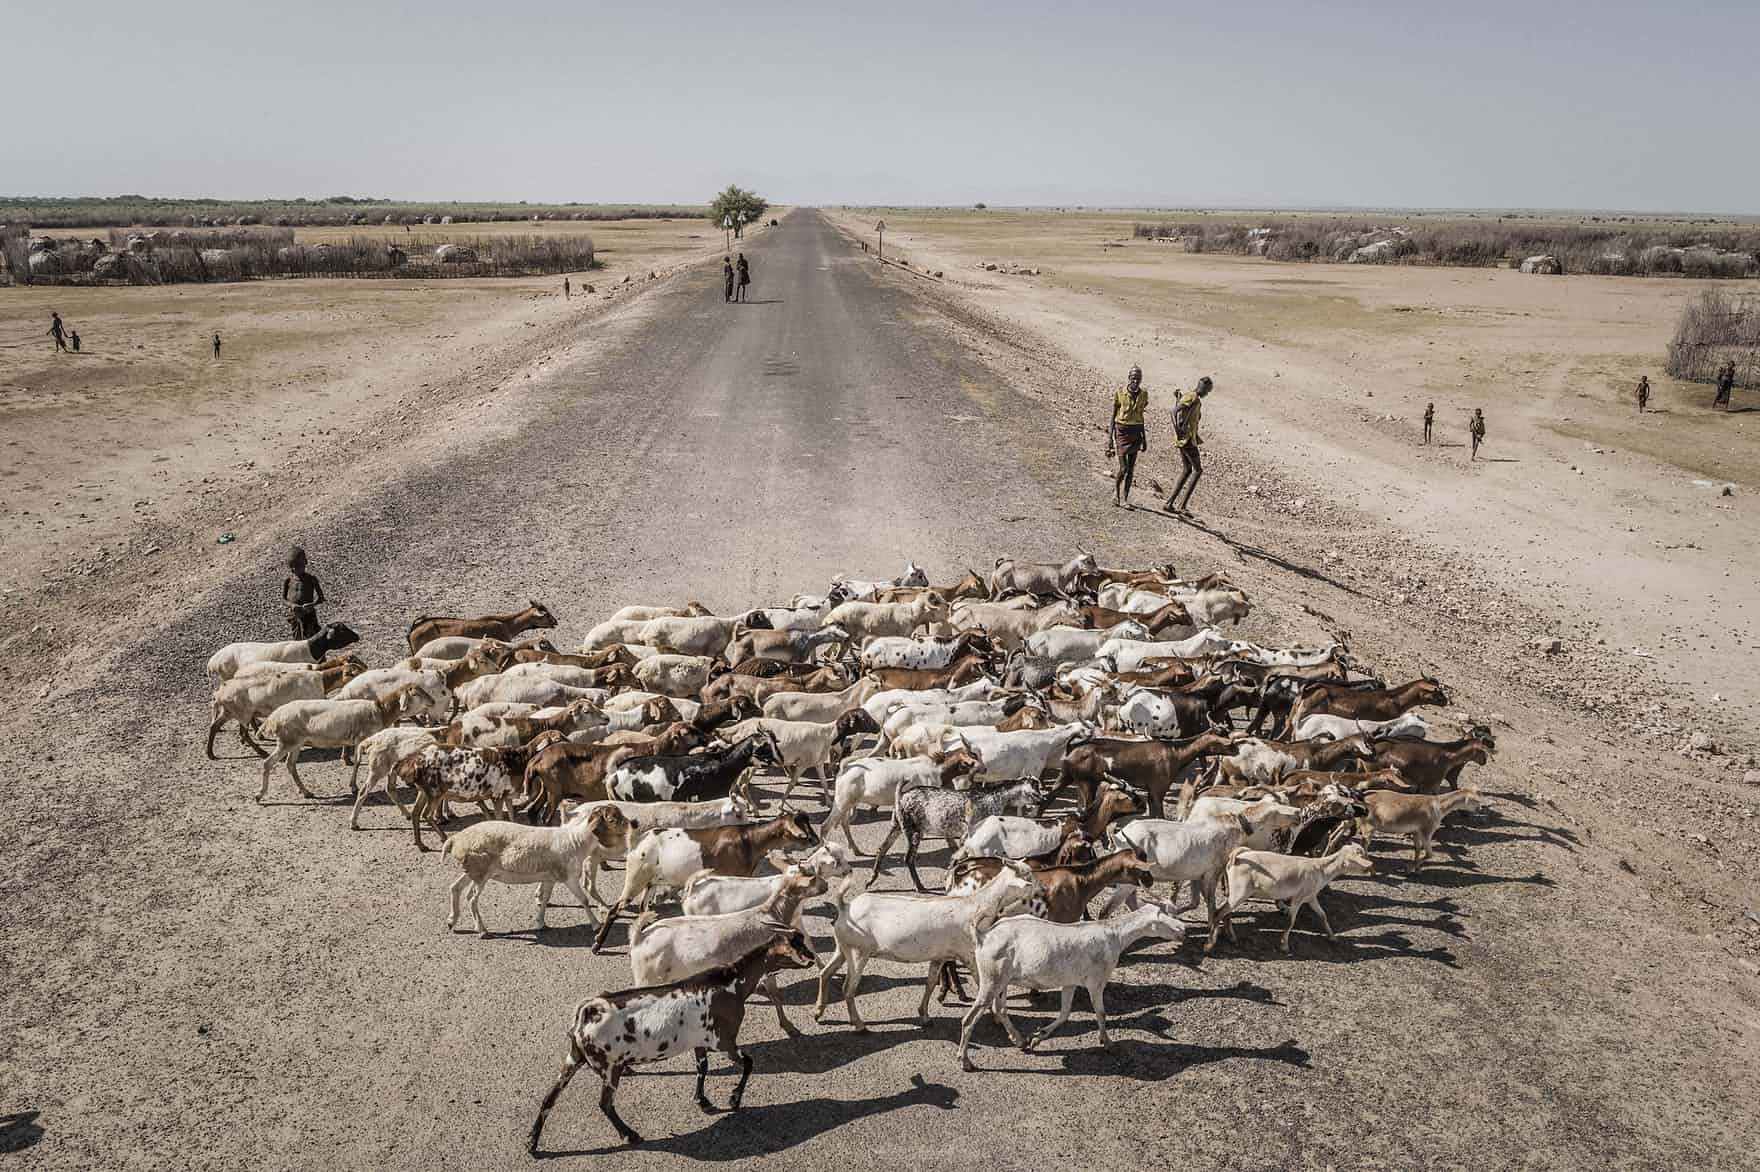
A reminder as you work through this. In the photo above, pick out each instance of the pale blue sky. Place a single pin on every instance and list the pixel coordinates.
(1616, 104)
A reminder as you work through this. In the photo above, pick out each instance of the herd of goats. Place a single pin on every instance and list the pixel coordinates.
(1039, 718)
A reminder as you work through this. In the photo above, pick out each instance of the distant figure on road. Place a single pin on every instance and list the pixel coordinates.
(565, 293)
(216, 345)
(727, 278)
(1643, 393)
(1429, 419)
(73, 336)
(1476, 429)
(1125, 437)
(302, 593)
(58, 332)
(745, 275)
(1187, 411)
(1726, 381)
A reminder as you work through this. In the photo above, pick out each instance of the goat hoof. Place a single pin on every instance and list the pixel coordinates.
(705, 1104)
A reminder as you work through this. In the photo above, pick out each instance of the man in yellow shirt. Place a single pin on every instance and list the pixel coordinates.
(1125, 436)
(1187, 410)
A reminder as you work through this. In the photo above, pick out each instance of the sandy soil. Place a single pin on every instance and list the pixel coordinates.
(129, 444)
(198, 981)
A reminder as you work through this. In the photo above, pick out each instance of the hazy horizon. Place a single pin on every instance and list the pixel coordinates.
(1266, 105)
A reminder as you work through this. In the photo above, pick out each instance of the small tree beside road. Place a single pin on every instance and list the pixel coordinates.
(733, 201)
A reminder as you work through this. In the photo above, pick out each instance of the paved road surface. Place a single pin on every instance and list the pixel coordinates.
(213, 984)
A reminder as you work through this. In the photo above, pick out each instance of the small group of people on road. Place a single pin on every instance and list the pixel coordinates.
(1127, 438)
(1475, 427)
(735, 277)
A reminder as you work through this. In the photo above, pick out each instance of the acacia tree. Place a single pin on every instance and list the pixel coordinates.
(735, 200)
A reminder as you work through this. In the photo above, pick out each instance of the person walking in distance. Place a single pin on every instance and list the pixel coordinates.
(565, 292)
(745, 276)
(302, 593)
(1188, 409)
(727, 278)
(1726, 382)
(1476, 429)
(58, 332)
(216, 345)
(1125, 437)
(1429, 419)
(1643, 393)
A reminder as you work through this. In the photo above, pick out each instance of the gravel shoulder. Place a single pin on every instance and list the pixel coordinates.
(198, 981)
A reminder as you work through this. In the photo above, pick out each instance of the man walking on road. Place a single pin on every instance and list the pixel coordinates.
(1429, 418)
(727, 278)
(1187, 411)
(745, 276)
(58, 332)
(1476, 429)
(1643, 393)
(1125, 437)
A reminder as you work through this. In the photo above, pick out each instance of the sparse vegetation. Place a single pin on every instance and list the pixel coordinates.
(237, 254)
(735, 200)
(125, 211)
(1716, 328)
(1609, 248)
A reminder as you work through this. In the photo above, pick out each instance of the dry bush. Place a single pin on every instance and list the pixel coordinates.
(139, 211)
(1607, 248)
(1715, 328)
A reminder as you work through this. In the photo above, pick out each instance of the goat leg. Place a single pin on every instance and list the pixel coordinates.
(745, 1073)
(607, 1104)
(570, 1065)
(702, 1055)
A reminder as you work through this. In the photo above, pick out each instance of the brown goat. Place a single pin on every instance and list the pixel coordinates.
(489, 626)
(971, 586)
(1425, 765)
(605, 657)
(1354, 703)
(963, 670)
(1152, 766)
(570, 770)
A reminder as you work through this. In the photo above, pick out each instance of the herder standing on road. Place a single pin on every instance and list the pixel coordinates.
(302, 593)
(1643, 393)
(727, 278)
(58, 332)
(745, 275)
(1429, 419)
(1476, 429)
(1187, 410)
(1726, 382)
(1125, 437)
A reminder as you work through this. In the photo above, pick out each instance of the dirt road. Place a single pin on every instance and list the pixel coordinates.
(196, 981)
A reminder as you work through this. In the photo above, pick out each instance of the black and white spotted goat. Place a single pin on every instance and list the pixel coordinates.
(615, 1031)
(695, 777)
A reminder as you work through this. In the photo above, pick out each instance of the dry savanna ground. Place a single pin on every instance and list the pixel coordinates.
(144, 427)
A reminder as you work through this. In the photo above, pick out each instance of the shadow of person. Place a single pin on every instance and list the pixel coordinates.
(771, 1129)
(19, 1131)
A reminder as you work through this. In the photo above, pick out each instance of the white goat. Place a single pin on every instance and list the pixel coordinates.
(1039, 954)
(1406, 726)
(1294, 881)
(516, 854)
(916, 929)
(869, 620)
(329, 724)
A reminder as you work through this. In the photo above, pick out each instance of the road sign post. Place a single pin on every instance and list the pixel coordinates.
(726, 232)
(880, 228)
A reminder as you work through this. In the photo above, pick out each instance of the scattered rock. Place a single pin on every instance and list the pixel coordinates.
(1751, 777)
(1549, 644)
(1701, 742)
(1728, 490)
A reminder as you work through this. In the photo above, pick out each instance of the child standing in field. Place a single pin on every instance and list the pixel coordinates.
(73, 336)
(1643, 393)
(1429, 418)
(302, 593)
(1476, 429)
(1726, 382)
(216, 345)
(565, 292)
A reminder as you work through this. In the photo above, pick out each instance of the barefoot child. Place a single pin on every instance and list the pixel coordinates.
(302, 593)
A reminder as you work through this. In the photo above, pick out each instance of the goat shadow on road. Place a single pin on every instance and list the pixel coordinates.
(771, 1129)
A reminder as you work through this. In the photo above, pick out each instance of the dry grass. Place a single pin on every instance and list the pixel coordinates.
(140, 211)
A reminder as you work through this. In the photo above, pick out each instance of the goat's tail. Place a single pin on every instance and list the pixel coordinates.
(641, 925)
(691, 883)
